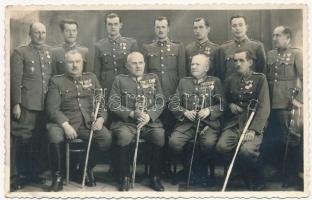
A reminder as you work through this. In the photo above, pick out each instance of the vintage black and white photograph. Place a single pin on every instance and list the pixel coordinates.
(127, 99)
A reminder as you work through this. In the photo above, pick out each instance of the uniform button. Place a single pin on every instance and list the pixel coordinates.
(114, 56)
(275, 80)
(162, 72)
(241, 88)
(238, 45)
(276, 74)
(241, 102)
(196, 89)
(114, 49)
(42, 66)
(161, 58)
(138, 87)
(275, 67)
(41, 58)
(42, 73)
(115, 70)
(115, 62)
(78, 93)
(161, 50)
(78, 100)
(79, 105)
(162, 65)
(43, 81)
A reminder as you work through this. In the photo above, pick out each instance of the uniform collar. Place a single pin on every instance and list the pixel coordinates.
(201, 44)
(117, 39)
(163, 42)
(247, 75)
(282, 50)
(244, 39)
(73, 78)
(68, 47)
(36, 47)
(137, 79)
(201, 80)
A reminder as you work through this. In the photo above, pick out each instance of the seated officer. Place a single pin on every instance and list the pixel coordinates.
(71, 109)
(241, 88)
(123, 102)
(186, 106)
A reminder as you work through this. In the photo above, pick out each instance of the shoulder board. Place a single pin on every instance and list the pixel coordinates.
(258, 73)
(58, 76)
(87, 73)
(124, 75)
(176, 42)
(229, 41)
(151, 74)
(213, 44)
(188, 77)
(255, 40)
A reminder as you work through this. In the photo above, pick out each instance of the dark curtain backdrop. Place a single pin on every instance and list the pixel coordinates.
(139, 25)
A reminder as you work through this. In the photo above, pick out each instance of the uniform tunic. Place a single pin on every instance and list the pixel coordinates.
(208, 48)
(189, 96)
(58, 60)
(72, 100)
(226, 56)
(241, 91)
(111, 57)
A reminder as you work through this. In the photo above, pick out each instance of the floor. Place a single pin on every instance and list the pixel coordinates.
(105, 182)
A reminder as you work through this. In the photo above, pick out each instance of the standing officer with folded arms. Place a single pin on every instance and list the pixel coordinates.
(123, 101)
(30, 73)
(241, 89)
(285, 73)
(71, 107)
(166, 59)
(69, 30)
(226, 64)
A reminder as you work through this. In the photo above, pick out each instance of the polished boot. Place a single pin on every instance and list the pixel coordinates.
(90, 179)
(55, 161)
(155, 169)
(123, 167)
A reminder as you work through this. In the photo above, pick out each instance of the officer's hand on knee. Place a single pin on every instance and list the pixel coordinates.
(98, 124)
(70, 132)
(235, 109)
(190, 114)
(250, 135)
(17, 111)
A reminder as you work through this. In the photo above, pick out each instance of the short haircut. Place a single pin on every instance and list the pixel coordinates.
(130, 55)
(31, 26)
(162, 18)
(72, 52)
(248, 53)
(238, 16)
(206, 56)
(287, 31)
(111, 16)
(67, 21)
(202, 18)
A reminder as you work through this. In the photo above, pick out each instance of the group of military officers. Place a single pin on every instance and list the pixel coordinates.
(204, 81)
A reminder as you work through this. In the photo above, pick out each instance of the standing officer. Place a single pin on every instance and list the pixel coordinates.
(241, 41)
(30, 73)
(123, 101)
(69, 29)
(71, 107)
(111, 52)
(284, 72)
(186, 107)
(242, 88)
(166, 59)
(202, 44)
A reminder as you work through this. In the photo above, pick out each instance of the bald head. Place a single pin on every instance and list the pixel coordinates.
(37, 33)
(136, 64)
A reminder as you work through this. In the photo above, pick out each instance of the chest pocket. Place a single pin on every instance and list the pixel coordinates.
(288, 68)
(68, 95)
(30, 67)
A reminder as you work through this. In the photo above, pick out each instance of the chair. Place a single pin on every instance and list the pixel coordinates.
(79, 148)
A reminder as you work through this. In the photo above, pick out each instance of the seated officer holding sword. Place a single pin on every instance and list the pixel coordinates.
(185, 105)
(243, 89)
(125, 102)
(70, 106)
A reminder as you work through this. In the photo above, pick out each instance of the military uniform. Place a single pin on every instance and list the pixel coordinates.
(123, 98)
(226, 65)
(30, 73)
(285, 71)
(110, 58)
(208, 48)
(58, 61)
(189, 97)
(72, 100)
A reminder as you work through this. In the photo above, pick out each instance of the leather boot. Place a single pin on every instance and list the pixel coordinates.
(155, 170)
(90, 179)
(123, 169)
(55, 161)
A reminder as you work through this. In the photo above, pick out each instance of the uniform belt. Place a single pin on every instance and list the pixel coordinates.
(283, 79)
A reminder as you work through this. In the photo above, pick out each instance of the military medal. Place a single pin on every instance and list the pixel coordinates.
(207, 50)
(168, 47)
(87, 83)
(32, 61)
(248, 84)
